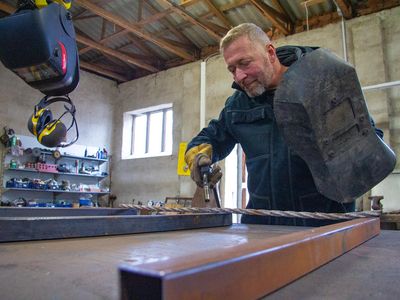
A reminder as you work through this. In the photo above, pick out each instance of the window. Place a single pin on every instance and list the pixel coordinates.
(147, 132)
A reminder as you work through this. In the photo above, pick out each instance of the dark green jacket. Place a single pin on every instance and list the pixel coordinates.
(277, 178)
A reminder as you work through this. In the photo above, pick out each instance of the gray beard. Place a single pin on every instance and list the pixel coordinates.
(257, 91)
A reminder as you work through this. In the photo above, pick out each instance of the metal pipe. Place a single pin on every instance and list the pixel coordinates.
(202, 94)
(239, 160)
(381, 85)
(203, 103)
(344, 39)
(343, 26)
(239, 175)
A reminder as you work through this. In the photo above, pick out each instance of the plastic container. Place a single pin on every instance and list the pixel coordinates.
(85, 202)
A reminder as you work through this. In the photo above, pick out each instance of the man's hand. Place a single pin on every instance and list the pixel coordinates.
(202, 160)
(198, 157)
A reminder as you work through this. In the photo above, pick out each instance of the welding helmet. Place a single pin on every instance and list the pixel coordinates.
(321, 111)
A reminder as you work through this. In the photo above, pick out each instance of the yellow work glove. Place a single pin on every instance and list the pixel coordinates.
(200, 156)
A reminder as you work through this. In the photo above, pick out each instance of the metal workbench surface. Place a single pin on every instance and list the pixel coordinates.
(87, 268)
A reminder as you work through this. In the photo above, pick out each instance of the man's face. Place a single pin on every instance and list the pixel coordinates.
(250, 65)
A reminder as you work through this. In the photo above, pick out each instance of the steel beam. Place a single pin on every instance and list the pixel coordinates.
(60, 212)
(248, 270)
(41, 228)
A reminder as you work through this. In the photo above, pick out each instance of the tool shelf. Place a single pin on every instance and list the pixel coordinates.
(41, 165)
(67, 156)
(57, 173)
(56, 191)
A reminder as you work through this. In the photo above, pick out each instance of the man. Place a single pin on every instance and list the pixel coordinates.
(278, 179)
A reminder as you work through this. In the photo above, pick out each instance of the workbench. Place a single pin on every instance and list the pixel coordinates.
(87, 268)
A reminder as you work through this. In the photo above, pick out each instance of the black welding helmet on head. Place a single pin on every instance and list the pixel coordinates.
(48, 131)
(39, 46)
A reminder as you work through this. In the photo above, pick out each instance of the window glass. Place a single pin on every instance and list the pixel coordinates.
(156, 132)
(139, 134)
(148, 132)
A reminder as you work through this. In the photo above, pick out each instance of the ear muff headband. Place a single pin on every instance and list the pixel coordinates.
(47, 100)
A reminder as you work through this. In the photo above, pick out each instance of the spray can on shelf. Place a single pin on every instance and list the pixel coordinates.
(13, 140)
(77, 166)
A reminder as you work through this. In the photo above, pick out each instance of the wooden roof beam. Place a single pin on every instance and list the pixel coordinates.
(150, 19)
(282, 10)
(171, 27)
(185, 3)
(188, 16)
(140, 10)
(80, 18)
(278, 6)
(317, 21)
(279, 20)
(233, 5)
(312, 2)
(127, 58)
(133, 28)
(145, 58)
(102, 71)
(105, 40)
(155, 17)
(375, 6)
(217, 28)
(178, 44)
(218, 13)
(141, 45)
(7, 8)
(118, 65)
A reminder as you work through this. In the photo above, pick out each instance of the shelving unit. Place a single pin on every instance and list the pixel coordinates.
(56, 191)
(88, 184)
(58, 173)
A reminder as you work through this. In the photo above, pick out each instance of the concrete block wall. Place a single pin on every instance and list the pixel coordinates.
(93, 99)
(144, 179)
(371, 44)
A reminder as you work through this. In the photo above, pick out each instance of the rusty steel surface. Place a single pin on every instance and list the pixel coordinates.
(87, 268)
(234, 273)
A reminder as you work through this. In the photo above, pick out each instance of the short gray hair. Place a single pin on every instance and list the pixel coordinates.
(252, 31)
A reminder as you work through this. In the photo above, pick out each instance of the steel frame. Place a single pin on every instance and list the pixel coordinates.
(56, 227)
(248, 271)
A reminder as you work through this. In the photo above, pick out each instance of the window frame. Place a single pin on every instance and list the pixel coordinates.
(128, 136)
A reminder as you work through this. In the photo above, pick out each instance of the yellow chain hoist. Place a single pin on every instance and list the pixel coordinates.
(43, 3)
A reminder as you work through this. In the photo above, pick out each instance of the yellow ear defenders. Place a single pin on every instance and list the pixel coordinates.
(52, 133)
